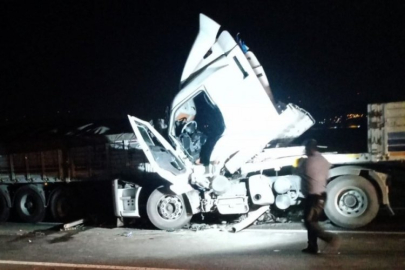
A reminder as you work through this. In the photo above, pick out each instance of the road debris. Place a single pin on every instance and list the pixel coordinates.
(281, 220)
(200, 227)
(73, 224)
(223, 226)
(73, 228)
(127, 234)
(21, 233)
(252, 216)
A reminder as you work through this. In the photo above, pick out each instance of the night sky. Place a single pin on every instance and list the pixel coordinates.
(92, 59)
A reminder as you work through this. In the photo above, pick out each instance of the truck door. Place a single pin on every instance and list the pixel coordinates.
(162, 157)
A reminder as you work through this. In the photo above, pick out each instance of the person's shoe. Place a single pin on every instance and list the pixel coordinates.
(310, 250)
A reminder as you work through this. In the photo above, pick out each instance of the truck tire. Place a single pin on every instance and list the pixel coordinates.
(4, 209)
(167, 211)
(64, 205)
(352, 201)
(29, 204)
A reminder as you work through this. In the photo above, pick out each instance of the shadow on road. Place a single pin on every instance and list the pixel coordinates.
(24, 236)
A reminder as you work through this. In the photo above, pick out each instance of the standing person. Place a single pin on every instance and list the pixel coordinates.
(314, 171)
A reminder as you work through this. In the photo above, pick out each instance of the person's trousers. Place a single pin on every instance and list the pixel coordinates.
(313, 210)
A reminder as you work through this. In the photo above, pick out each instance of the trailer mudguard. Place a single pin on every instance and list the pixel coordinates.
(380, 179)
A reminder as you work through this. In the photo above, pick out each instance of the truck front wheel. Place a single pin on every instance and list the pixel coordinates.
(352, 201)
(166, 210)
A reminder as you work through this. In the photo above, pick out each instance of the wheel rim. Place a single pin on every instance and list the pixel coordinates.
(170, 207)
(352, 202)
(27, 205)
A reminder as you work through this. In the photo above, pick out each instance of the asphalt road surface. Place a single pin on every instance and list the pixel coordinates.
(270, 246)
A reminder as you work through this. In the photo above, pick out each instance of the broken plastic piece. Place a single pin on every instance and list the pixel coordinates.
(127, 234)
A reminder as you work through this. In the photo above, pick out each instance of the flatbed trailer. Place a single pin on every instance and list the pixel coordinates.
(58, 173)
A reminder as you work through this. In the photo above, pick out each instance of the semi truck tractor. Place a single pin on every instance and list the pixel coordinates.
(227, 150)
(228, 139)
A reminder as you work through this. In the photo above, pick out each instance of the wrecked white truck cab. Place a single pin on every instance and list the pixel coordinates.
(224, 125)
(219, 81)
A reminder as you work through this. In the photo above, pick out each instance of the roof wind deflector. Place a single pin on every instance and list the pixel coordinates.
(205, 39)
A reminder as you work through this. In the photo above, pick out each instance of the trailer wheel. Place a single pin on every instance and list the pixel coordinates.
(63, 208)
(352, 201)
(167, 210)
(4, 209)
(29, 204)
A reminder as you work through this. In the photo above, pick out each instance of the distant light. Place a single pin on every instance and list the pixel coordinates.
(354, 115)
